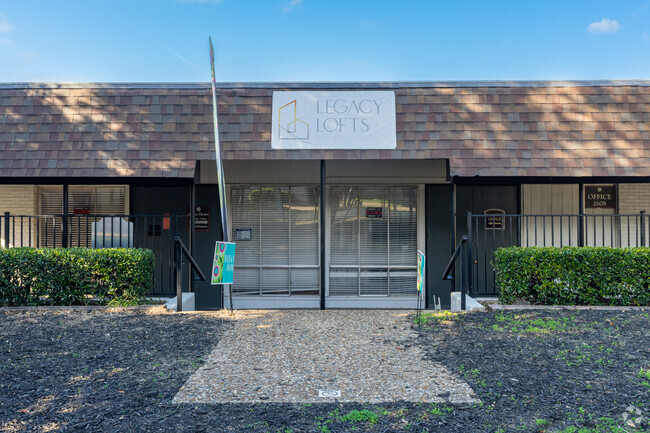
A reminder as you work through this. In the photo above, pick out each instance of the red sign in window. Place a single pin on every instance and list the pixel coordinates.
(374, 212)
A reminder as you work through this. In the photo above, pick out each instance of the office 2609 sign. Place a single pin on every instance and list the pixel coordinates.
(334, 120)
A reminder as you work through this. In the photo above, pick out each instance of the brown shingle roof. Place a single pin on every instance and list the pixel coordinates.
(484, 129)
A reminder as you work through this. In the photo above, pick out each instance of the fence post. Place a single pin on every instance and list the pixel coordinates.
(178, 275)
(64, 221)
(581, 215)
(178, 266)
(643, 226)
(467, 289)
(464, 259)
(64, 230)
(7, 229)
(461, 262)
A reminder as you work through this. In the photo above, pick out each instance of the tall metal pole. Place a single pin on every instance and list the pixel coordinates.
(217, 148)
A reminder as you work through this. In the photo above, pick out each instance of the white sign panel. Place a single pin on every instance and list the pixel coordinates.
(334, 120)
(331, 393)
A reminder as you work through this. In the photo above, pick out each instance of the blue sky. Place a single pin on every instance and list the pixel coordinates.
(322, 40)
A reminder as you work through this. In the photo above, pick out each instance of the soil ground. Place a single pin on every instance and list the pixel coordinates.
(563, 371)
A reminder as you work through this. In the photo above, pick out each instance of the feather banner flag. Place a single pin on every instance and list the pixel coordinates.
(223, 202)
(217, 148)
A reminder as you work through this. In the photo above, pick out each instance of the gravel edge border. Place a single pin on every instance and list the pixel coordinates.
(568, 307)
(44, 308)
(489, 306)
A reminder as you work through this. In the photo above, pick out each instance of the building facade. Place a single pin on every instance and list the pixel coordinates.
(337, 223)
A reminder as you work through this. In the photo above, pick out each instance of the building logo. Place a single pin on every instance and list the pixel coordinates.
(289, 126)
(311, 120)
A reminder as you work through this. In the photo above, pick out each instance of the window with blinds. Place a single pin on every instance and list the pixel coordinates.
(50, 202)
(373, 242)
(82, 200)
(279, 253)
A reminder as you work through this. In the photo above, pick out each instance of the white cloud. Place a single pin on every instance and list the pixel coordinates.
(644, 35)
(291, 5)
(604, 26)
(5, 25)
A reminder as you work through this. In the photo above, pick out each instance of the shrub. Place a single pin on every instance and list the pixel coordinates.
(574, 276)
(74, 276)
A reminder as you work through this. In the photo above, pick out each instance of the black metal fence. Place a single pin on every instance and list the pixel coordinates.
(488, 232)
(155, 232)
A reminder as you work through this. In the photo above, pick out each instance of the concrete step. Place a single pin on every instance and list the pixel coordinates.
(188, 302)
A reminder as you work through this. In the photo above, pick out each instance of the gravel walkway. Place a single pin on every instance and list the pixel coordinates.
(293, 356)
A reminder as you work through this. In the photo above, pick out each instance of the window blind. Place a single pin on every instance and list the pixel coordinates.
(282, 255)
(93, 199)
(373, 242)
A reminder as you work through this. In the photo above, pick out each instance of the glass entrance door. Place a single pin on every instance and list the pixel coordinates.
(276, 229)
(373, 242)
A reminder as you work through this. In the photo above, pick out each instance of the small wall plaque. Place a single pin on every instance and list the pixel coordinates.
(202, 218)
(494, 219)
(600, 197)
(243, 234)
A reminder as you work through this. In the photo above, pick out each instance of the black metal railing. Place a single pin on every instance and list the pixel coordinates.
(181, 250)
(463, 253)
(487, 233)
(154, 232)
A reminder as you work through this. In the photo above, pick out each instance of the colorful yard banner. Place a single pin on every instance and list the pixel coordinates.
(421, 267)
(217, 148)
(223, 265)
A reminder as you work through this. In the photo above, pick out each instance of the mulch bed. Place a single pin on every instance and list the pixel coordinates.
(114, 371)
(548, 370)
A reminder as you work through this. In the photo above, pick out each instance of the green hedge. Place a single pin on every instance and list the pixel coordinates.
(74, 276)
(574, 276)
